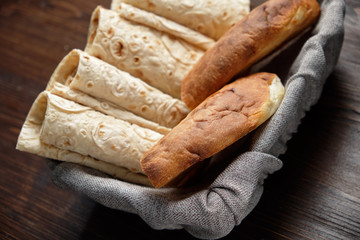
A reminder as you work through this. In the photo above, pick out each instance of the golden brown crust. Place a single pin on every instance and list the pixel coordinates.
(255, 36)
(223, 118)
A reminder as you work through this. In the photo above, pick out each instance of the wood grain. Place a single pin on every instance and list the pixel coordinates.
(316, 195)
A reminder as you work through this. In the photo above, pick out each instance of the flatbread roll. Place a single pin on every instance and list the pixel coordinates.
(101, 80)
(163, 24)
(211, 18)
(223, 118)
(60, 129)
(259, 33)
(105, 107)
(157, 58)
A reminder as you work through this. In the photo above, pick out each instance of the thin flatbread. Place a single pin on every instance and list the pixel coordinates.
(100, 80)
(211, 18)
(105, 107)
(64, 130)
(162, 24)
(155, 57)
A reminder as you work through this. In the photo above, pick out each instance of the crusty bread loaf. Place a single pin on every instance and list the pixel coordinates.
(264, 29)
(223, 118)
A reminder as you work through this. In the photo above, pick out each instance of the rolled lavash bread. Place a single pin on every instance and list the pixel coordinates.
(64, 130)
(105, 107)
(264, 29)
(223, 118)
(162, 24)
(85, 73)
(158, 58)
(211, 18)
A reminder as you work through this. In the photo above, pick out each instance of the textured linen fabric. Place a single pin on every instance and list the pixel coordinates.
(211, 210)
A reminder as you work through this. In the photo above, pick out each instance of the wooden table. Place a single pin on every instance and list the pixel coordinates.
(316, 195)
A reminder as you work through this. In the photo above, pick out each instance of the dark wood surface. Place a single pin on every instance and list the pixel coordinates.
(316, 195)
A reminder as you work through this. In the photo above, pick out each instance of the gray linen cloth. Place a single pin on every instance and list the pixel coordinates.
(221, 199)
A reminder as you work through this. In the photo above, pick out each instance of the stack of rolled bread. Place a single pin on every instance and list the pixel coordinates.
(157, 88)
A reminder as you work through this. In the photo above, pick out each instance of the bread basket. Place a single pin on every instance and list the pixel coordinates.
(230, 186)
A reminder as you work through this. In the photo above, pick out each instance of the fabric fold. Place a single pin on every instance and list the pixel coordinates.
(217, 209)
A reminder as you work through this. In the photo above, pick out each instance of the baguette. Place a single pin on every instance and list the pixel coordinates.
(259, 33)
(223, 118)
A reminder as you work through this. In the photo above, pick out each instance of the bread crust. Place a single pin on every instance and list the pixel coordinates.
(264, 29)
(223, 118)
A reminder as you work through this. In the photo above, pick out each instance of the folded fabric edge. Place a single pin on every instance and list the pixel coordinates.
(217, 209)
